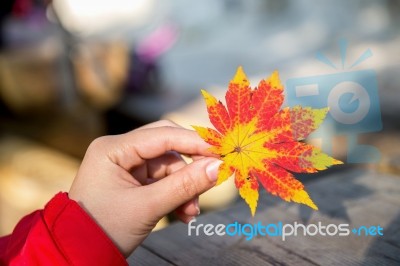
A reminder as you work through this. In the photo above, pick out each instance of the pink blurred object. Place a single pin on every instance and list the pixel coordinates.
(157, 43)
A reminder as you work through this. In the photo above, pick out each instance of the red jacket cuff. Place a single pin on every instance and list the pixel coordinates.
(77, 235)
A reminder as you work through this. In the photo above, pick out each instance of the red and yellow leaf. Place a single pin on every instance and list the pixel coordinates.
(258, 140)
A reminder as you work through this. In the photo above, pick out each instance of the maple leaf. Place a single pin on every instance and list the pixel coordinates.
(260, 142)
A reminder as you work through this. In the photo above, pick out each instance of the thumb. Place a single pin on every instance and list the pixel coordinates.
(181, 186)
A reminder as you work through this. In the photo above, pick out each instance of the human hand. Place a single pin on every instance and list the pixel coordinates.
(128, 182)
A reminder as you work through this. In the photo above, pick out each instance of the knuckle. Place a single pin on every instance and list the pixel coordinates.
(99, 143)
(188, 188)
(167, 123)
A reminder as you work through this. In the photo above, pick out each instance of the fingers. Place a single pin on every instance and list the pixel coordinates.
(182, 186)
(133, 148)
(188, 211)
(165, 165)
(157, 168)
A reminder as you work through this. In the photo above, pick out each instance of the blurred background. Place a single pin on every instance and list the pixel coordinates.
(72, 70)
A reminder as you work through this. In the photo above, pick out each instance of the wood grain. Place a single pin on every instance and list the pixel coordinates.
(356, 197)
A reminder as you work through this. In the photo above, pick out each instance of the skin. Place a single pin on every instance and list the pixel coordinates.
(128, 182)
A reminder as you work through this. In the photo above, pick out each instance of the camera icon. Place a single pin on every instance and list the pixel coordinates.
(353, 101)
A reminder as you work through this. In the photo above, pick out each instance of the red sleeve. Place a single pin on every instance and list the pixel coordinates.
(61, 234)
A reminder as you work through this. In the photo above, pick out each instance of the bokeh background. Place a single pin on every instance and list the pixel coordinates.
(72, 70)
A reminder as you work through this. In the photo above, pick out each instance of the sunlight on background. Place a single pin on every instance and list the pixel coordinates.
(91, 16)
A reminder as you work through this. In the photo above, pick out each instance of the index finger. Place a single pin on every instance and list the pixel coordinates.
(133, 148)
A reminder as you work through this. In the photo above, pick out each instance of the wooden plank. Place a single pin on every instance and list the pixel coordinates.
(175, 245)
(355, 197)
(365, 204)
(144, 257)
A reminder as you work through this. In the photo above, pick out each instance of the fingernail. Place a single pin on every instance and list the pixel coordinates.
(196, 205)
(212, 170)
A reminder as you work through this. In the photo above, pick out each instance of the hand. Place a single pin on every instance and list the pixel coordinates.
(128, 182)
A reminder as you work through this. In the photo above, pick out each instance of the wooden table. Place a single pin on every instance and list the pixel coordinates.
(356, 197)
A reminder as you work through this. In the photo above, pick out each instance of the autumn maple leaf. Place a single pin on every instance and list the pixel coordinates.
(260, 142)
